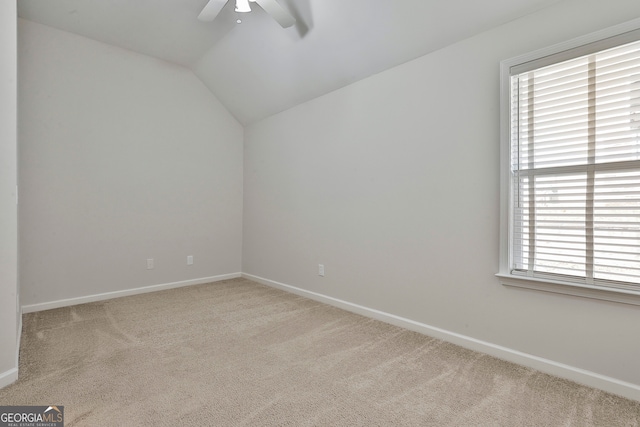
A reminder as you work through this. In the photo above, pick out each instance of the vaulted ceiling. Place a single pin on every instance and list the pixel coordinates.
(257, 68)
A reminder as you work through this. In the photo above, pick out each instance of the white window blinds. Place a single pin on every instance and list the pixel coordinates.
(575, 169)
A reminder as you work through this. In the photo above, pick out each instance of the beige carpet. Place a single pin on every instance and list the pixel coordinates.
(236, 353)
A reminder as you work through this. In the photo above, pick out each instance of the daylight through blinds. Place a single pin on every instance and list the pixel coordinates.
(575, 163)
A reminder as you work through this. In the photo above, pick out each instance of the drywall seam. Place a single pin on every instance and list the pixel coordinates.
(19, 339)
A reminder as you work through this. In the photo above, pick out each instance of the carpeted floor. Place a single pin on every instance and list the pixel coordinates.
(236, 353)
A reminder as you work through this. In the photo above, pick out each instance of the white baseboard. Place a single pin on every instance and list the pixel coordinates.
(591, 379)
(588, 378)
(117, 294)
(11, 376)
(8, 377)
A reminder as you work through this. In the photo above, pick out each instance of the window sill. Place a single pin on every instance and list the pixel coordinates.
(567, 288)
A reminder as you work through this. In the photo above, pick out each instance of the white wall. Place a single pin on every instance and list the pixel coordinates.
(393, 184)
(122, 158)
(9, 313)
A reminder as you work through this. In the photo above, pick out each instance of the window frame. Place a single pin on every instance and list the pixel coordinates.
(600, 40)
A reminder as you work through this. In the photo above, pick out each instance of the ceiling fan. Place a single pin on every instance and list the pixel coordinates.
(213, 8)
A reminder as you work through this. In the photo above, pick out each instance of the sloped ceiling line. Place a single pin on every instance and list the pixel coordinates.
(257, 68)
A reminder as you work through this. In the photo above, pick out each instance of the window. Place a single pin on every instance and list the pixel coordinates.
(571, 172)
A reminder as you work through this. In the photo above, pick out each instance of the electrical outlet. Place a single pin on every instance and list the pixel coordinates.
(190, 260)
(150, 264)
(321, 270)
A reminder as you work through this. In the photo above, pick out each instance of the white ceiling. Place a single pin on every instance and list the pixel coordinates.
(257, 68)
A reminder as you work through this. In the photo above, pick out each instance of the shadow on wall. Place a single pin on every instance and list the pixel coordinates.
(301, 10)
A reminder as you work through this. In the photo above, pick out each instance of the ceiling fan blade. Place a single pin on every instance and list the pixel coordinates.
(284, 18)
(211, 10)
